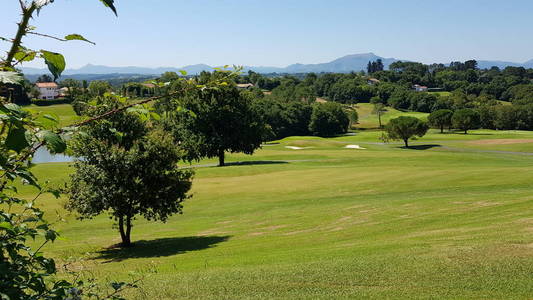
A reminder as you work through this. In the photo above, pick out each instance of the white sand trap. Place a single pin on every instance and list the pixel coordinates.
(297, 148)
(354, 147)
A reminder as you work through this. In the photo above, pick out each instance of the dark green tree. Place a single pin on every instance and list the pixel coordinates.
(328, 119)
(404, 128)
(45, 78)
(99, 88)
(441, 118)
(466, 119)
(126, 168)
(169, 77)
(214, 121)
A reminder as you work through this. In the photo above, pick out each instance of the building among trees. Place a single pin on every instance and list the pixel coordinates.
(48, 90)
(420, 88)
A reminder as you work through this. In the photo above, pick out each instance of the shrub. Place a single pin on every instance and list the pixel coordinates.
(44, 102)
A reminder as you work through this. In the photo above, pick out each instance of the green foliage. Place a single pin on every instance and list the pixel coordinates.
(466, 119)
(126, 168)
(441, 118)
(55, 62)
(405, 128)
(209, 122)
(25, 273)
(328, 119)
(284, 118)
(353, 116)
(45, 102)
(99, 88)
(77, 37)
(110, 4)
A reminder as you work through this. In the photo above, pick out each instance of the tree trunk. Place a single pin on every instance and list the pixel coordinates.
(221, 157)
(406, 141)
(466, 131)
(379, 118)
(125, 232)
(441, 128)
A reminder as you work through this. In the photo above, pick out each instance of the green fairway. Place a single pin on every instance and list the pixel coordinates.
(445, 220)
(66, 114)
(369, 120)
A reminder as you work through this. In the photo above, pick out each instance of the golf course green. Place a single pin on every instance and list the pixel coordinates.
(309, 218)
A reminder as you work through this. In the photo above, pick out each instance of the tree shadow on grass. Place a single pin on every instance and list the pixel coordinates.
(422, 147)
(160, 247)
(256, 162)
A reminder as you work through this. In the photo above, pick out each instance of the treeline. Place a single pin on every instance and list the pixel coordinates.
(502, 98)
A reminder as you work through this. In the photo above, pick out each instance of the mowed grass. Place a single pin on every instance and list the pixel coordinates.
(369, 120)
(66, 114)
(325, 222)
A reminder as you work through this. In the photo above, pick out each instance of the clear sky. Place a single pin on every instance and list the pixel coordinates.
(174, 33)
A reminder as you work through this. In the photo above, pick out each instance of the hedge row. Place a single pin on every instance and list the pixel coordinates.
(45, 102)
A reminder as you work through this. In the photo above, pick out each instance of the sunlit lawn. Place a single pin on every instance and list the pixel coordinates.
(328, 222)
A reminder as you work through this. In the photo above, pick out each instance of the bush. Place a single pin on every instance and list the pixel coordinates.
(328, 119)
(44, 102)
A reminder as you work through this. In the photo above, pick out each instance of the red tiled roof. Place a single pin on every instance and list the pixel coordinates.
(46, 85)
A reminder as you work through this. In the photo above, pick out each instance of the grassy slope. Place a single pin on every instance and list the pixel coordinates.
(368, 120)
(376, 223)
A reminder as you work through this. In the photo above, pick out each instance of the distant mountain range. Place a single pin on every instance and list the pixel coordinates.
(346, 64)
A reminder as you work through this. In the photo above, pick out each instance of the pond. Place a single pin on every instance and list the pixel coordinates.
(44, 156)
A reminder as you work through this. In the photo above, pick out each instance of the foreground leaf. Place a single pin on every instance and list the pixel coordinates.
(53, 141)
(110, 4)
(55, 62)
(77, 37)
(16, 139)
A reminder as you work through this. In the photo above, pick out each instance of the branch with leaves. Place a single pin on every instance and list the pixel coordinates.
(18, 54)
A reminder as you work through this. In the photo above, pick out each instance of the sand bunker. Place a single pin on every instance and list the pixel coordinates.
(295, 148)
(501, 142)
(354, 147)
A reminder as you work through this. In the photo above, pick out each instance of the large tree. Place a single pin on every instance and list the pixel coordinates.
(126, 168)
(99, 88)
(211, 122)
(465, 119)
(404, 128)
(441, 118)
(328, 119)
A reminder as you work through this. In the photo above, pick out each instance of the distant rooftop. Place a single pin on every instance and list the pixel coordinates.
(46, 85)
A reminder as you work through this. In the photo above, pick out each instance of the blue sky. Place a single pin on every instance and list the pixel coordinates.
(280, 32)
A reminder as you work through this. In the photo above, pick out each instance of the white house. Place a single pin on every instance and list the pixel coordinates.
(420, 88)
(48, 90)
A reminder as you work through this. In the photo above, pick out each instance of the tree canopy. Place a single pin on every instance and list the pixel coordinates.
(466, 119)
(210, 122)
(405, 128)
(126, 168)
(328, 119)
(441, 118)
